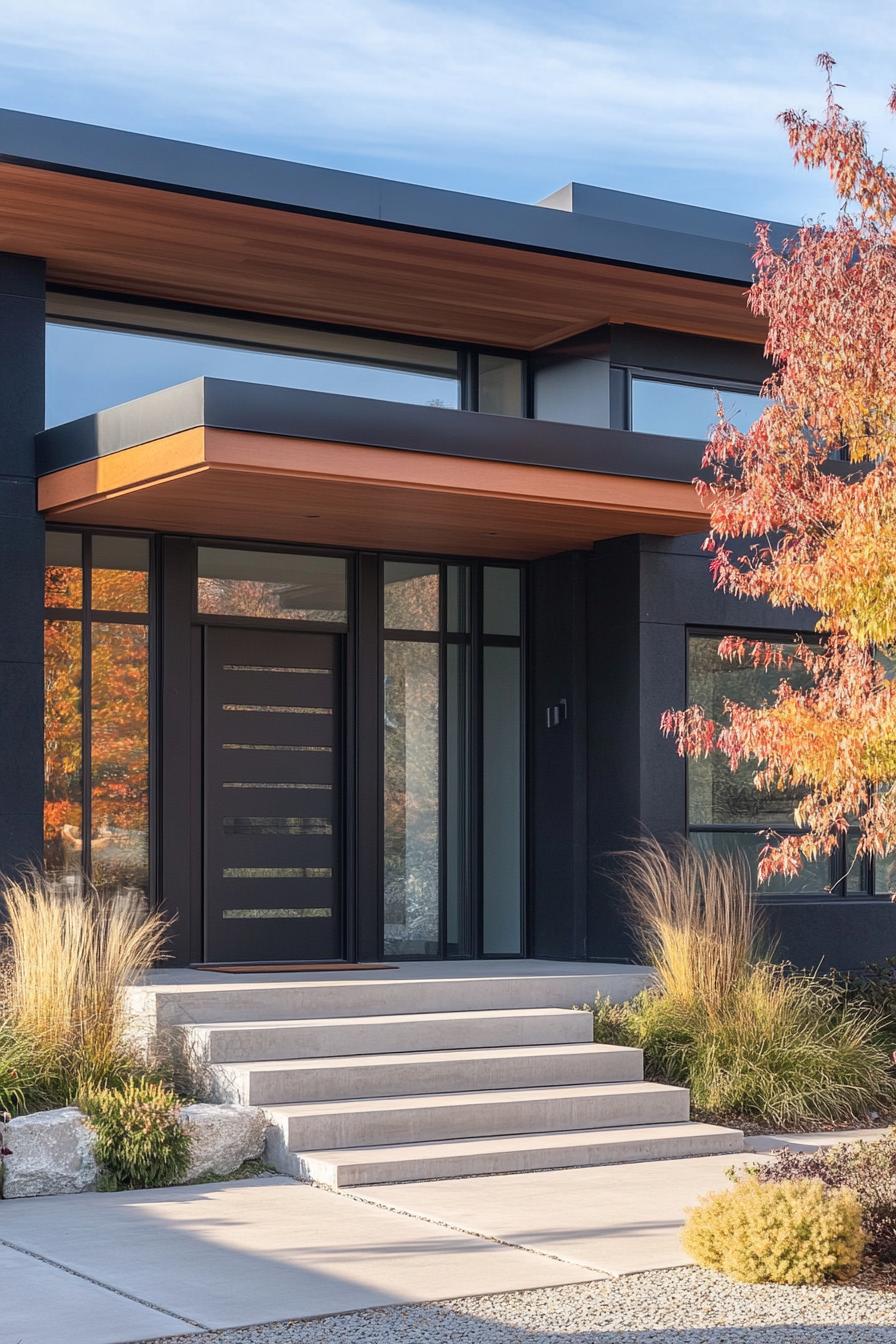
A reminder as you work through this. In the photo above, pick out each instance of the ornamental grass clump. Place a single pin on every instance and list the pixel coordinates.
(694, 918)
(140, 1142)
(796, 1232)
(65, 964)
(754, 1041)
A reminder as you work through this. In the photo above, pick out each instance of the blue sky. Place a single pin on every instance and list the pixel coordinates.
(674, 99)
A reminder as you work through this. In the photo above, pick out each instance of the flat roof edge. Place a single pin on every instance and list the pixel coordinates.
(200, 170)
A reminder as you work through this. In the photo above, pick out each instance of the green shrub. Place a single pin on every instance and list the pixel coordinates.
(139, 1143)
(866, 1168)
(786, 1232)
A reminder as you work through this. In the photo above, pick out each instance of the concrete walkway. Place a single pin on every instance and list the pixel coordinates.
(109, 1268)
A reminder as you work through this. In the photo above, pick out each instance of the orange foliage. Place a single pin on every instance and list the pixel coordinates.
(793, 526)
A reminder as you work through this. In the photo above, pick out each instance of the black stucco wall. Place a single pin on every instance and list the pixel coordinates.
(21, 562)
(631, 616)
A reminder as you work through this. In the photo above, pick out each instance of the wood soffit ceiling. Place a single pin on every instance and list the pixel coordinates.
(120, 238)
(236, 484)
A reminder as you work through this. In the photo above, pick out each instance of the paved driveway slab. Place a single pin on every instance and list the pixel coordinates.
(246, 1252)
(40, 1304)
(614, 1219)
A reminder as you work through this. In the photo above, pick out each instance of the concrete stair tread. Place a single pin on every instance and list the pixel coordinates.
(444, 1159)
(461, 1054)
(511, 1143)
(431, 1101)
(387, 1019)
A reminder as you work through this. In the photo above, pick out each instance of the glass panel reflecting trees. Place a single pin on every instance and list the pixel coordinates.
(97, 744)
(63, 783)
(411, 868)
(726, 812)
(119, 741)
(271, 585)
(410, 595)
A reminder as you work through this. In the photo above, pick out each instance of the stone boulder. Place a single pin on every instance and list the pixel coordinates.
(51, 1154)
(223, 1138)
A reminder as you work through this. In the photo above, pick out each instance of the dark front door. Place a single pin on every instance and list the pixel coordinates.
(273, 889)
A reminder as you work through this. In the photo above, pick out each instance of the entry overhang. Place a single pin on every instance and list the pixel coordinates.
(239, 460)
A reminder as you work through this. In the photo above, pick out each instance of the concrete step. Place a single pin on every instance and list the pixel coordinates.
(176, 998)
(316, 1038)
(345, 1167)
(462, 1115)
(268, 1082)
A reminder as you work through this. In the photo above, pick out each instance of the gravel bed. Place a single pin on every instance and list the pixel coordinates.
(671, 1306)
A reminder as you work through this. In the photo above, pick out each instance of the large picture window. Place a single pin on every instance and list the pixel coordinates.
(101, 353)
(96, 659)
(726, 811)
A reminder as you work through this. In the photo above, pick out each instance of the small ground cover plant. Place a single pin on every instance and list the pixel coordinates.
(793, 1231)
(756, 1042)
(139, 1141)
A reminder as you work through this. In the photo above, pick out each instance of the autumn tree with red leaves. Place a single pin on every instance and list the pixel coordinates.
(802, 510)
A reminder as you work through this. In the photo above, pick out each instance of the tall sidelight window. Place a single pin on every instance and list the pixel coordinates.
(96, 650)
(453, 872)
(413, 755)
(725, 810)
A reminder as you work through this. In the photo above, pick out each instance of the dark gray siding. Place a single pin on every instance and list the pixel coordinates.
(21, 562)
(632, 616)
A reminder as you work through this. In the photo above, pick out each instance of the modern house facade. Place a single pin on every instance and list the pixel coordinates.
(350, 554)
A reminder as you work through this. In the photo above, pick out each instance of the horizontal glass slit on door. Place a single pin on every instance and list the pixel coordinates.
(267, 746)
(277, 872)
(276, 709)
(305, 912)
(277, 826)
(249, 784)
(264, 667)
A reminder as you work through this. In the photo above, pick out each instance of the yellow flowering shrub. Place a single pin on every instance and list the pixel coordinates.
(789, 1232)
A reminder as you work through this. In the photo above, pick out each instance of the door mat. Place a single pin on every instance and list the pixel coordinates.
(273, 967)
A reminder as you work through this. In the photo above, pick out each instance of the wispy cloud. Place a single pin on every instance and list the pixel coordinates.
(675, 98)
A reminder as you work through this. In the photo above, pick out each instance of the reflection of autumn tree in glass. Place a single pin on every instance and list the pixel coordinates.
(119, 590)
(119, 699)
(411, 762)
(62, 759)
(119, 754)
(411, 791)
(254, 597)
(244, 597)
(62, 586)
